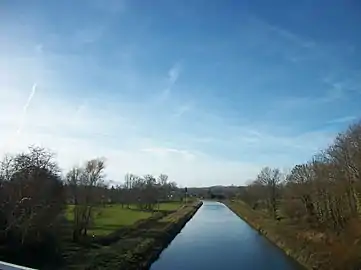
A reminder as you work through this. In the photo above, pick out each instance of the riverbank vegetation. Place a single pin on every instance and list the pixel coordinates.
(111, 216)
(51, 219)
(134, 247)
(314, 210)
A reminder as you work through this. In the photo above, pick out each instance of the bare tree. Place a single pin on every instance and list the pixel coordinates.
(270, 179)
(32, 194)
(151, 192)
(300, 180)
(164, 187)
(129, 191)
(84, 183)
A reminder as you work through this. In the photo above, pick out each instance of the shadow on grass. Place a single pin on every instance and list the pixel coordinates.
(120, 232)
(65, 254)
(132, 247)
(154, 211)
(44, 254)
(108, 227)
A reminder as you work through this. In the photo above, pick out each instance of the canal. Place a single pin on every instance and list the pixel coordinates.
(216, 238)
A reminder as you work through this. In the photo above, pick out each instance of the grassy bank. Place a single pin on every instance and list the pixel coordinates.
(312, 249)
(110, 218)
(119, 238)
(134, 247)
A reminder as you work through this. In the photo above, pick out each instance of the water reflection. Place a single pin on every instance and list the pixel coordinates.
(216, 238)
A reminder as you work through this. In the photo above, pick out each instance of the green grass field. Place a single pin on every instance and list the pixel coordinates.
(133, 250)
(112, 217)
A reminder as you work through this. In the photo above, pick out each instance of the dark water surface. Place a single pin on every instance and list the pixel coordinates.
(216, 238)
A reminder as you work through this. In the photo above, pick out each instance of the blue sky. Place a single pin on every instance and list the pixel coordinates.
(205, 91)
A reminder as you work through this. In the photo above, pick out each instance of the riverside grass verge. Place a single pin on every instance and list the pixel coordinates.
(311, 249)
(110, 218)
(135, 248)
(268, 227)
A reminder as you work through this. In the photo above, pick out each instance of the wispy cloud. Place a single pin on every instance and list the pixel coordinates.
(345, 119)
(181, 110)
(105, 98)
(173, 74)
(351, 83)
(127, 150)
(335, 92)
(79, 113)
(25, 108)
(187, 155)
(172, 78)
(265, 26)
(270, 138)
(296, 39)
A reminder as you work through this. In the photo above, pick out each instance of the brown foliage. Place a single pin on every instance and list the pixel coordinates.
(322, 195)
(31, 196)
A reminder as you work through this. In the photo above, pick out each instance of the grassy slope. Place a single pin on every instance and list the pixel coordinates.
(138, 247)
(110, 218)
(313, 249)
(121, 234)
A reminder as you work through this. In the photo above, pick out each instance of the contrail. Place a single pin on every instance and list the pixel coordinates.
(25, 108)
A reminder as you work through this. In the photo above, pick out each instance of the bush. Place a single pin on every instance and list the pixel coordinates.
(31, 199)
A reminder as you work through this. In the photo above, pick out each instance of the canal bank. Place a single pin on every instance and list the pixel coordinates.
(314, 248)
(138, 247)
(175, 224)
(216, 238)
(268, 229)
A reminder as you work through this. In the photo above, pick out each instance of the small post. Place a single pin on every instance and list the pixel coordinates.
(185, 191)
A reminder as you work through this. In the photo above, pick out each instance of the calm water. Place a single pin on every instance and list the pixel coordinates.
(216, 238)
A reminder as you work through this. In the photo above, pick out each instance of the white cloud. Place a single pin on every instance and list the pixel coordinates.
(261, 30)
(338, 89)
(183, 109)
(165, 152)
(335, 92)
(344, 84)
(303, 42)
(88, 35)
(272, 142)
(173, 74)
(172, 78)
(77, 130)
(130, 135)
(25, 109)
(80, 131)
(187, 167)
(345, 119)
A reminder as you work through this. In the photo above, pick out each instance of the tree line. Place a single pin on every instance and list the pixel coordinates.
(323, 193)
(35, 193)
